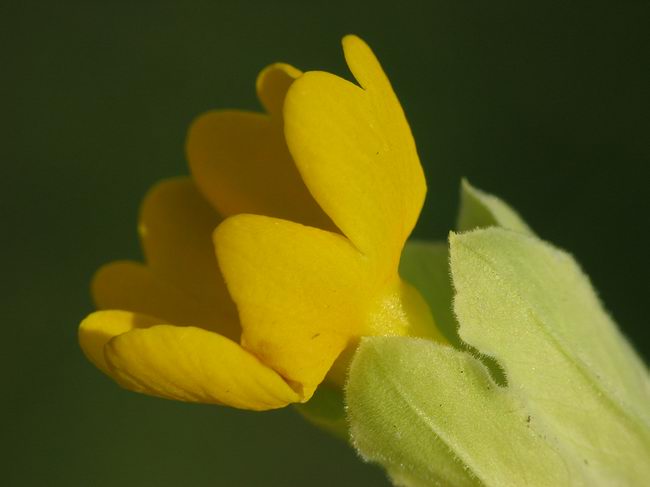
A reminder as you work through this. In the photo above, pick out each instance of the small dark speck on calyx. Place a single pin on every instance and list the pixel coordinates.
(316, 335)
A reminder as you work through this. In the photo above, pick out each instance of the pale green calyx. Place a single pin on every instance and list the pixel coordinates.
(479, 209)
(576, 406)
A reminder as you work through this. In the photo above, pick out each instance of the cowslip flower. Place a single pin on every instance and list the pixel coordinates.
(279, 253)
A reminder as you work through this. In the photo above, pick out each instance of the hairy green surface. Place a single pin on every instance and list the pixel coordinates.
(576, 408)
(530, 306)
(442, 420)
(479, 209)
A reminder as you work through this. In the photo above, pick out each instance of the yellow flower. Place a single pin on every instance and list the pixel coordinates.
(319, 196)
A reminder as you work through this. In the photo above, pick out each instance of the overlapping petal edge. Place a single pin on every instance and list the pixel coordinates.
(319, 197)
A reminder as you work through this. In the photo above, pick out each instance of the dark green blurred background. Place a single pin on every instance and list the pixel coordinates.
(544, 104)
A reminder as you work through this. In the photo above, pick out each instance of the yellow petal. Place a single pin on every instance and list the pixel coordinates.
(272, 85)
(241, 163)
(133, 287)
(182, 283)
(101, 326)
(176, 225)
(356, 154)
(301, 293)
(194, 365)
